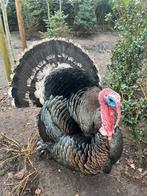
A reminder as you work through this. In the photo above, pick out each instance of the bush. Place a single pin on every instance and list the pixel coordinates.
(67, 8)
(56, 26)
(85, 20)
(12, 19)
(103, 7)
(128, 64)
(34, 12)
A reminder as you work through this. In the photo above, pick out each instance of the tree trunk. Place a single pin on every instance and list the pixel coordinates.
(4, 51)
(20, 23)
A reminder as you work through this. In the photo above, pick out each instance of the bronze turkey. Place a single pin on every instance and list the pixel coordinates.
(79, 120)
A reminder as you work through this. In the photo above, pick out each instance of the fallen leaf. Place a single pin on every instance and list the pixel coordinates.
(132, 166)
(77, 194)
(130, 161)
(118, 191)
(140, 170)
(38, 191)
(20, 174)
(10, 175)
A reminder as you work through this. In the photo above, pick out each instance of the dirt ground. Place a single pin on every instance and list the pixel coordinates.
(54, 179)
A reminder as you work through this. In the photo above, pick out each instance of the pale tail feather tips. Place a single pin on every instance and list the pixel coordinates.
(39, 61)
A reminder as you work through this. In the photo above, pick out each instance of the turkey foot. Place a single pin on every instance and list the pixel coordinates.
(43, 148)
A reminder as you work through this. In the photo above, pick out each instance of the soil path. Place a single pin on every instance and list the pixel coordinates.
(54, 179)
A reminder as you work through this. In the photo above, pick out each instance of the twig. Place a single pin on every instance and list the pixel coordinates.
(23, 153)
(8, 159)
(143, 91)
(7, 3)
(21, 185)
(11, 140)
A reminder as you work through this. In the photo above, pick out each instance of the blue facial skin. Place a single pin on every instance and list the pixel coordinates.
(110, 101)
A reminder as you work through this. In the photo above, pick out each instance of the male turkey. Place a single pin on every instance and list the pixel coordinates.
(78, 121)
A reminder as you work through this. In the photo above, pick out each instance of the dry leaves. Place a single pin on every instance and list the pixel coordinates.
(38, 191)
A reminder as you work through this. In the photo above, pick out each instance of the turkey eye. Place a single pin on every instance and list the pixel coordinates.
(110, 101)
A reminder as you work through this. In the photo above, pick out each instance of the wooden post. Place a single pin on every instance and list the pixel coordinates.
(4, 51)
(4, 4)
(20, 23)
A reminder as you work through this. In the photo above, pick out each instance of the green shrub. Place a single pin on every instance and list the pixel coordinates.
(56, 26)
(103, 7)
(12, 19)
(85, 20)
(67, 8)
(34, 12)
(128, 62)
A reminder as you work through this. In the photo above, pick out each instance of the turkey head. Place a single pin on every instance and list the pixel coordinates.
(109, 103)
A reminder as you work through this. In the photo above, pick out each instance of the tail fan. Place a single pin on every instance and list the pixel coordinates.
(32, 78)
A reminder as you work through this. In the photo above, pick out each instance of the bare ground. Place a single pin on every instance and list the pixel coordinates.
(126, 178)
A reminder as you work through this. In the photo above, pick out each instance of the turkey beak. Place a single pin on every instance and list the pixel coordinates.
(118, 110)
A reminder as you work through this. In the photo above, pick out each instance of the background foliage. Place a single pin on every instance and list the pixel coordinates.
(85, 20)
(34, 13)
(67, 8)
(80, 15)
(56, 26)
(12, 15)
(103, 7)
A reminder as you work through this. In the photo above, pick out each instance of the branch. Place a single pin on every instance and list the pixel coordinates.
(7, 3)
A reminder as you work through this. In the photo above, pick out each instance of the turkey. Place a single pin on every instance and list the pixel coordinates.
(79, 120)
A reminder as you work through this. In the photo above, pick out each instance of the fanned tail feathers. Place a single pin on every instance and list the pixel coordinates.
(33, 76)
